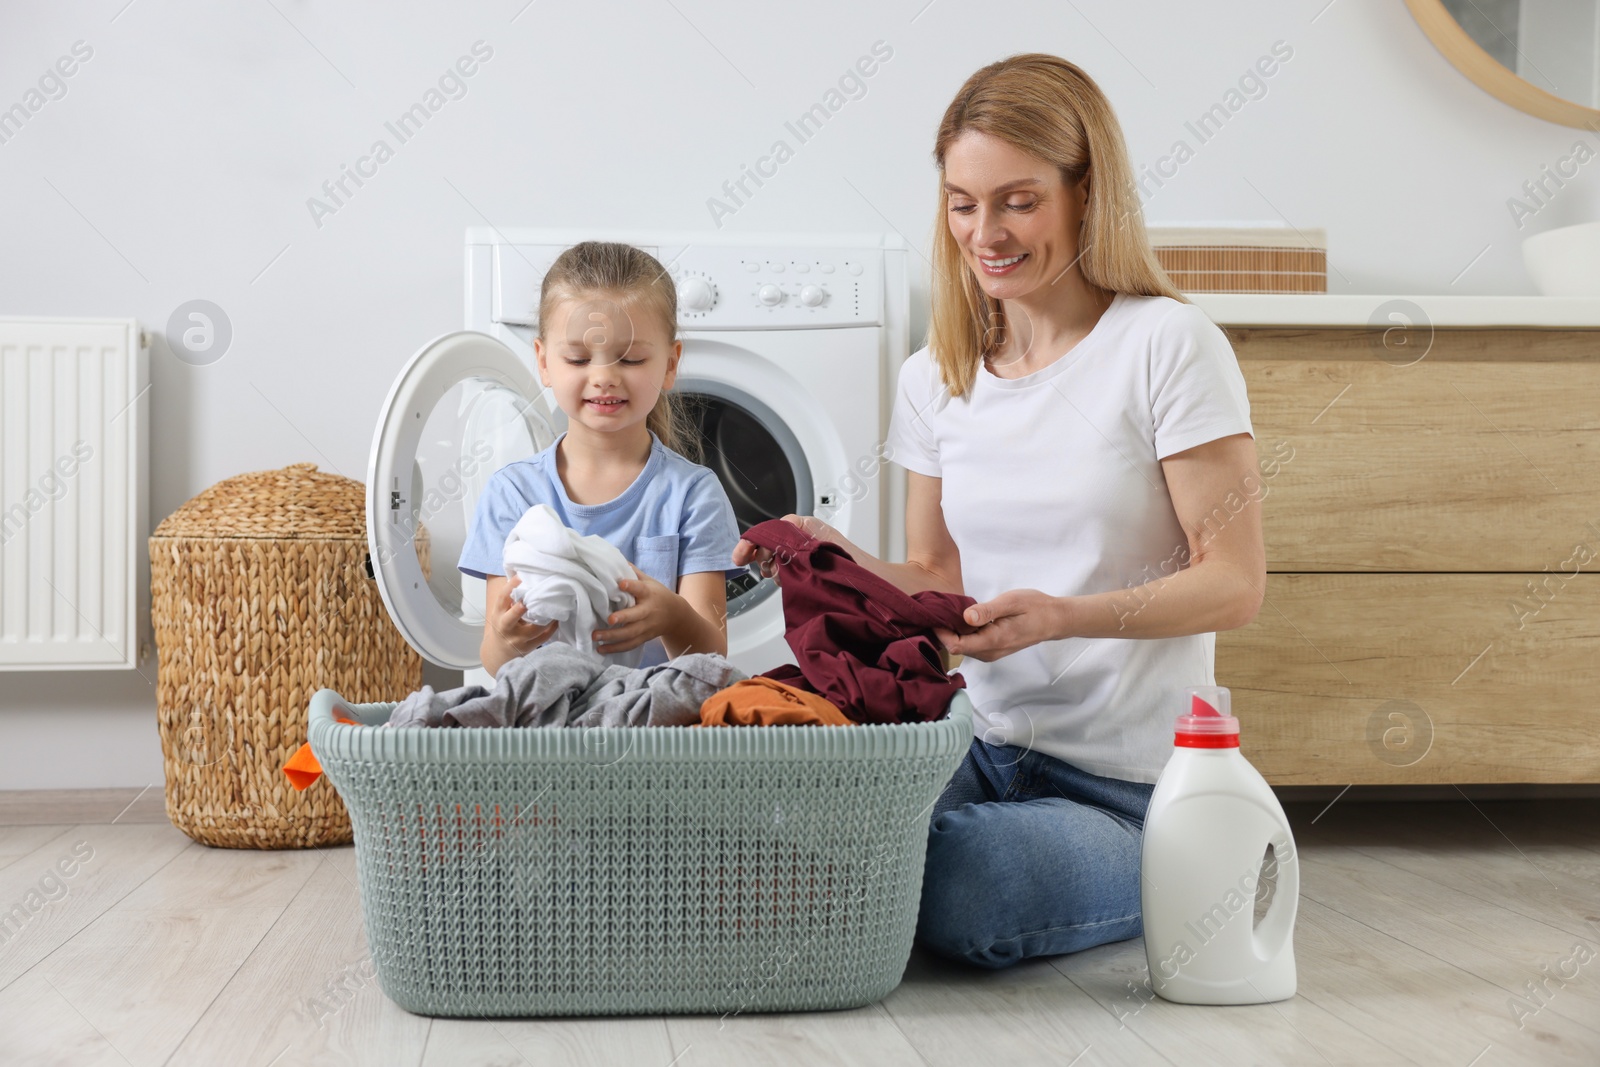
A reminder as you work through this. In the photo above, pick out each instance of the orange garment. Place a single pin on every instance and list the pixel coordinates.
(763, 702)
(303, 768)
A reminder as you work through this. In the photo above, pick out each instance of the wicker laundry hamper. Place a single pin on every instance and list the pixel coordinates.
(261, 595)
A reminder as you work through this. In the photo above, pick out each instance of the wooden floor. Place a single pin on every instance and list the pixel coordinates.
(1457, 933)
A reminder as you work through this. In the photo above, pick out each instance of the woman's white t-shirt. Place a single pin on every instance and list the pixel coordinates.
(1053, 481)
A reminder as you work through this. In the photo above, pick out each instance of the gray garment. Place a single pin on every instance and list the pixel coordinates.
(560, 685)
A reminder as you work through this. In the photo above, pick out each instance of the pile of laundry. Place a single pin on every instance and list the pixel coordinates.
(559, 685)
(864, 651)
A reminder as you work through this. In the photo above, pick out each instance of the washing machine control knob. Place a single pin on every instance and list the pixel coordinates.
(812, 295)
(770, 295)
(696, 294)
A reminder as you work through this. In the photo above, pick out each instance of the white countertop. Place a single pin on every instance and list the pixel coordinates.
(1344, 309)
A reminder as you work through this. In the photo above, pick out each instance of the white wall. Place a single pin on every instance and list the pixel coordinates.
(179, 162)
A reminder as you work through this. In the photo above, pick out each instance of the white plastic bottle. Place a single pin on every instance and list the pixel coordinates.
(1210, 821)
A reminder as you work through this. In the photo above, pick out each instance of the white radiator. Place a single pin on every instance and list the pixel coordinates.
(73, 504)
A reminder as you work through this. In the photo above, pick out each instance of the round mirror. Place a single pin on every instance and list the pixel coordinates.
(1540, 56)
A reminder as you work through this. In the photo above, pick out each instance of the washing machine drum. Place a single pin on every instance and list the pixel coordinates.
(747, 459)
(759, 462)
(752, 450)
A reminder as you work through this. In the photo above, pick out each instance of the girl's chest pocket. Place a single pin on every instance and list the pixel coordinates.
(658, 557)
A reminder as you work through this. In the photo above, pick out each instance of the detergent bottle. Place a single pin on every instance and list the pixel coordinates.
(1206, 834)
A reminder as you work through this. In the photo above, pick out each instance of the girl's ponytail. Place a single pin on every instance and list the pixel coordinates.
(672, 424)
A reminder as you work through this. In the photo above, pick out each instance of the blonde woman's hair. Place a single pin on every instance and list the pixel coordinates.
(1050, 109)
(601, 269)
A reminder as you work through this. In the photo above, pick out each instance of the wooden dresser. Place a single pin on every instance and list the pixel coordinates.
(1432, 518)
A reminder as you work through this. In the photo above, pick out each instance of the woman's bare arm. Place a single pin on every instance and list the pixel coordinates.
(1221, 587)
(932, 559)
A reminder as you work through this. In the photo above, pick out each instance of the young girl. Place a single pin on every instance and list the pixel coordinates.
(608, 349)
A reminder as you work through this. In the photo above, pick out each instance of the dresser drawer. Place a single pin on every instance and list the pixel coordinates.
(1419, 678)
(1447, 466)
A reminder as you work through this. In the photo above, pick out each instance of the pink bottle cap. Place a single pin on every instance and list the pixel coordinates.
(1208, 723)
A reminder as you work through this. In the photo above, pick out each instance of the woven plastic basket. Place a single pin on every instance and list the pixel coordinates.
(644, 870)
(260, 596)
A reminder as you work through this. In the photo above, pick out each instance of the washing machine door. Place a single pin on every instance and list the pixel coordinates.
(464, 407)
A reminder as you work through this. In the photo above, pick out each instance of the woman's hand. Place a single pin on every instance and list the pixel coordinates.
(517, 636)
(745, 553)
(656, 610)
(1009, 623)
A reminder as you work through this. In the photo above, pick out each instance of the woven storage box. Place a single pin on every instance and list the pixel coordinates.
(260, 595)
(643, 870)
(1244, 259)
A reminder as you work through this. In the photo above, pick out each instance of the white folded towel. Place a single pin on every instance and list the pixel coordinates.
(567, 578)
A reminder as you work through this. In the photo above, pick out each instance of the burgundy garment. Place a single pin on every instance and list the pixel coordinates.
(860, 641)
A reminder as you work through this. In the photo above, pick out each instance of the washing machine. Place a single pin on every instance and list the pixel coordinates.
(790, 346)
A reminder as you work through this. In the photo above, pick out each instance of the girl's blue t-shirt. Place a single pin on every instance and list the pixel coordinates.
(675, 518)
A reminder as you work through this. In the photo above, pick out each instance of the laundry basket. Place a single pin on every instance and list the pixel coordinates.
(261, 595)
(638, 870)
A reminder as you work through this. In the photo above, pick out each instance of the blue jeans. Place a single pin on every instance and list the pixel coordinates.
(1030, 856)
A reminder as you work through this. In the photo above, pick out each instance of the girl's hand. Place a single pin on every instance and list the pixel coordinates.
(1009, 623)
(745, 553)
(656, 610)
(517, 635)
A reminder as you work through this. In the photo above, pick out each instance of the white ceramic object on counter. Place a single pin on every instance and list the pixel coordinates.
(1565, 261)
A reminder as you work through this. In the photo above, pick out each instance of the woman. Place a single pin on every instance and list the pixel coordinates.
(1080, 460)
